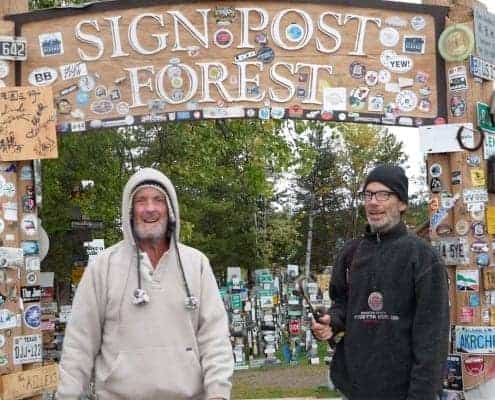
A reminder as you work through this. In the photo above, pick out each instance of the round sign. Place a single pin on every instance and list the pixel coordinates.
(32, 316)
(384, 76)
(375, 301)
(294, 32)
(389, 37)
(223, 38)
(436, 170)
(31, 278)
(456, 43)
(418, 22)
(406, 100)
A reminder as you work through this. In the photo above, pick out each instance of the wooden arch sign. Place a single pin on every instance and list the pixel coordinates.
(124, 63)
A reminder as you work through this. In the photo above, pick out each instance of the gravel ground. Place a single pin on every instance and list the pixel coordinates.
(302, 376)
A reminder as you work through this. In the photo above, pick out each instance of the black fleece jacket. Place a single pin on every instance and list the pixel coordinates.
(390, 295)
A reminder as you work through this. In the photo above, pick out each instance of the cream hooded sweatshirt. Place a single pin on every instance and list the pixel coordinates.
(156, 351)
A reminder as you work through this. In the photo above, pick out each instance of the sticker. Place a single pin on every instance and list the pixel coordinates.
(2, 225)
(101, 107)
(32, 263)
(436, 170)
(87, 83)
(479, 247)
(77, 114)
(456, 178)
(30, 247)
(406, 100)
(478, 229)
(375, 103)
(474, 300)
(478, 177)
(29, 224)
(68, 90)
(27, 349)
(434, 204)
(9, 189)
(418, 22)
(466, 315)
(457, 106)
(456, 43)
(9, 211)
(63, 106)
(32, 316)
(277, 112)
(43, 76)
(483, 260)
(478, 214)
(51, 44)
(436, 185)
(473, 160)
(245, 56)
(265, 55)
(31, 294)
(32, 278)
(397, 63)
(396, 21)
(224, 15)
(444, 230)
(413, 44)
(405, 82)
(177, 82)
(357, 70)
(334, 99)
(474, 365)
(82, 98)
(371, 78)
(223, 38)
(261, 38)
(389, 37)
(8, 319)
(264, 113)
(2, 341)
(115, 94)
(392, 87)
(294, 32)
(424, 105)
(4, 69)
(458, 79)
(78, 126)
(391, 110)
(425, 91)
(462, 227)
(384, 76)
(375, 301)
(422, 77)
(73, 71)
(122, 108)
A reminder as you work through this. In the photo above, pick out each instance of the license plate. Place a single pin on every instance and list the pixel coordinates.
(27, 349)
(13, 48)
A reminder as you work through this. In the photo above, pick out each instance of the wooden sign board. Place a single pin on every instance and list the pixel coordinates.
(124, 63)
(27, 124)
(29, 383)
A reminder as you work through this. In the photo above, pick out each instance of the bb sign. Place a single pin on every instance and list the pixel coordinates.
(119, 63)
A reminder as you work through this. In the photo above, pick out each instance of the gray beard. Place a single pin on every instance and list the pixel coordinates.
(153, 236)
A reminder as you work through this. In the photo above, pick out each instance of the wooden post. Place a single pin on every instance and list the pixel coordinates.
(466, 309)
(16, 217)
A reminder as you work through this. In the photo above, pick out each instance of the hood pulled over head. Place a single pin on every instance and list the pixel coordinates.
(148, 177)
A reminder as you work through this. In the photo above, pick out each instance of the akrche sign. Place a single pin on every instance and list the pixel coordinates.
(115, 63)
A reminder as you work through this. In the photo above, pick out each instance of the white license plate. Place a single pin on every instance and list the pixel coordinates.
(27, 349)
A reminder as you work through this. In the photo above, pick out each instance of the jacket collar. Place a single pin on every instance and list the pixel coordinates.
(397, 231)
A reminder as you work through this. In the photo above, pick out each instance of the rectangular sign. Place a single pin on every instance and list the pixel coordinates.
(31, 294)
(27, 349)
(484, 29)
(485, 122)
(13, 48)
(443, 138)
(475, 339)
(467, 279)
(454, 251)
(30, 382)
(27, 124)
(481, 68)
(11, 257)
(255, 59)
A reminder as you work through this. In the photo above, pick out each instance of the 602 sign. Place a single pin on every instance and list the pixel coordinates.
(27, 349)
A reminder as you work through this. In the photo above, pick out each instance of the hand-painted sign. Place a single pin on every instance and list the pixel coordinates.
(27, 124)
(12, 48)
(267, 58)
(475, 339)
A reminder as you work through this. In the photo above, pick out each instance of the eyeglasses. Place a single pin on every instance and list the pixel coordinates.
(381, 195)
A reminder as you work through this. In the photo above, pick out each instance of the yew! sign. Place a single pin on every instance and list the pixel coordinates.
(123, 63)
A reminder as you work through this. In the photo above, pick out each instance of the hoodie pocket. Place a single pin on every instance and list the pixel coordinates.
(155, 372)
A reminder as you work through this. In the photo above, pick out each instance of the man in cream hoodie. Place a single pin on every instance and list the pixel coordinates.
(147, 315)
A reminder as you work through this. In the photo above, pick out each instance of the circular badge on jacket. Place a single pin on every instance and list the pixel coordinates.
(375, 301)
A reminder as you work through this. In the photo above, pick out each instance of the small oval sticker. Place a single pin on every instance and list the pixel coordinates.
(42, 76)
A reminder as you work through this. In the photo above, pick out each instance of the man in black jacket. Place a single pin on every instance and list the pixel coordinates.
(390, 300)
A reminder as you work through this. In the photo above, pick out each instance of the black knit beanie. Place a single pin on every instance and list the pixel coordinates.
(391, 176)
